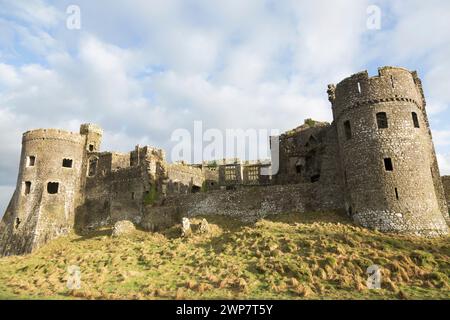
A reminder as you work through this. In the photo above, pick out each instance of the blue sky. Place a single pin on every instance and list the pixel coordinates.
(142, 69)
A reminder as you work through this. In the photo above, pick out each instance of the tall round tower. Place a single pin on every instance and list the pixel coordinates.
(48, 185)
(387, 155)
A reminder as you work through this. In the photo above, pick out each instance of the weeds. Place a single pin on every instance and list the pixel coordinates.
(308, 256)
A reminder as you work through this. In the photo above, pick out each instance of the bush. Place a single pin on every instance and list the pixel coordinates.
(152, 196)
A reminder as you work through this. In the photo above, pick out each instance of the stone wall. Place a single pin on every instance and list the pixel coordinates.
(120, 186)
(247, 203)
(47, 191)
(301, 152)
(183, 178)
(388, 167)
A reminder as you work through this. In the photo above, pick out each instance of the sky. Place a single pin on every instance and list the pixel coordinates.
(142, 69)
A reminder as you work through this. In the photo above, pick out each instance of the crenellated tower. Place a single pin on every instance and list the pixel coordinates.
(49, 187)
(387, 156)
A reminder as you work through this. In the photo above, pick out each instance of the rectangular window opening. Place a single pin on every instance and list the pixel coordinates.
(396, 194)
(348, 130)
(382, 120)
(415, 120)
(52, 187)
(92, 170)
(31, 161)
(230, 173)
(359, 87)
(67, 163)
(388, 164)
(253, 173)
(27, 187)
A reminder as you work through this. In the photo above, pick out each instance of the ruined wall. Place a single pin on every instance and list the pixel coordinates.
(230, 174)
(47, 192)
(300, 153)
(387, 171)
(211, 174)
(120, 186)
(183, 178)
(310, 154)
(248, 203)
(252, 173)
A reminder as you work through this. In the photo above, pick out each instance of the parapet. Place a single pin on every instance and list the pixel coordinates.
(52, 134)
(391, 84)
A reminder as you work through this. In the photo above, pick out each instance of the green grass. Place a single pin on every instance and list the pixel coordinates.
(304, 256)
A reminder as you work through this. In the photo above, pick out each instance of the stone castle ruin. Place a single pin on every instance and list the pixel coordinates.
(376, 161)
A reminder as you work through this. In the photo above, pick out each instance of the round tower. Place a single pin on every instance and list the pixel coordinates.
(386, 152)
(48, 186)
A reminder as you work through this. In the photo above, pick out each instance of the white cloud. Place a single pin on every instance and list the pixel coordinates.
(441, 137)
(444, 164)
(144, 68)
(33, 12)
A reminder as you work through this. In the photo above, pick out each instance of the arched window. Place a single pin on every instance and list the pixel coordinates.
(415, 120)
(382, 120)
(347, 130)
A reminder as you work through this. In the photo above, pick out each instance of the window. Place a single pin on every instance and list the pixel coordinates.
(132, 196)
(299, 168)
(31, 160)
(348, 130)
(27, 187)
(52, 187)
(230, 173)
(388, 164)
(396, 194)
(17, 224)
(359, 87)
(92, 167)
(67, 163)
(91, 147)
(392, 82)
(382, 120)
(253, 173)
(415, 120)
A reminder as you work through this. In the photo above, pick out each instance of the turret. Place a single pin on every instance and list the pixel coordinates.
(93, 135)
(387, 155)
(48, 184)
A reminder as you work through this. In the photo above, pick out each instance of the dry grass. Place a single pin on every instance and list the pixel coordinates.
(308, 256)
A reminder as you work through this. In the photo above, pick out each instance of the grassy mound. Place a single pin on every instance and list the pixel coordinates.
(307, 256)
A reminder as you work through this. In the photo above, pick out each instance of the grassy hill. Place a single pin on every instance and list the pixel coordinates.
(308, 256)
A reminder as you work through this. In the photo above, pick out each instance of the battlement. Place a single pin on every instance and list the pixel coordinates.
(391, 84)
(52, 134)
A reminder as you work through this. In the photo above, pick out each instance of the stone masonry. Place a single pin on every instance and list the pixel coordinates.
(376, 161)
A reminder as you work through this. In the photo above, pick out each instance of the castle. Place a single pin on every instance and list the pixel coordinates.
(375, 161)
